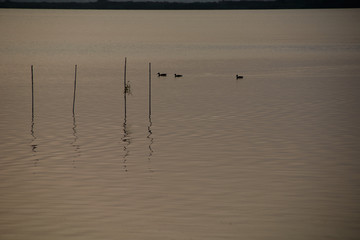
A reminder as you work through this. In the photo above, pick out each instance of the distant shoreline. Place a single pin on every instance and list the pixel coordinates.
(222, 5)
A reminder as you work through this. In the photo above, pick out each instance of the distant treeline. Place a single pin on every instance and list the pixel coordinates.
(104, 4)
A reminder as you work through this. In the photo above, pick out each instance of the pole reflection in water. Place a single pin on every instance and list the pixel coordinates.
(126, 140)
(74, 143)
(33, 144)
(151, 141)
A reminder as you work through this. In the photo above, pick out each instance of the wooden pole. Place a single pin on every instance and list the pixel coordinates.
(149, 90)
(74, 90)
(32, 91)
(125, 89)
(125, 76)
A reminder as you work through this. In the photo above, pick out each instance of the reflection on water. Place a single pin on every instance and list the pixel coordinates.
(33, 143)
(126, 139)
(74, 143)
(151, 141)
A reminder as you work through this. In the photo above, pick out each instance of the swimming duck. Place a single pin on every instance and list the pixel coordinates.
(161, 74)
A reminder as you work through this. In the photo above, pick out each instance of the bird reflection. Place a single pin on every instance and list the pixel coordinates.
(126, 140)
(151, 141)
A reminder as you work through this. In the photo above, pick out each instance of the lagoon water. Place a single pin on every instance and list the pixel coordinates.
(272, 156)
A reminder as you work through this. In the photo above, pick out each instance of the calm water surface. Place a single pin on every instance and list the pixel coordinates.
(272, 156)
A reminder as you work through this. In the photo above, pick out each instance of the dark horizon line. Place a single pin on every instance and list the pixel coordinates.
(158, 5)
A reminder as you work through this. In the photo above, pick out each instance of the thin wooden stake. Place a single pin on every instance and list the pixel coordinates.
(149, 90)
(125, 76)
(125, 89)
(32, 91)
(74, 90)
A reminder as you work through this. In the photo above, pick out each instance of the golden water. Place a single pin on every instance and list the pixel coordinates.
(271, 156)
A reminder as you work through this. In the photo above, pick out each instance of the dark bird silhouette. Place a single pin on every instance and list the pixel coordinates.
(161, 74)
(178, 75)
(239, 77)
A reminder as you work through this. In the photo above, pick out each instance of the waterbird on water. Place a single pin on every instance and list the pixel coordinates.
(161, 74)
(239, 77)
(178, 75)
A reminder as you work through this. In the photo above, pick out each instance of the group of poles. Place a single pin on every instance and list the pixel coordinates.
(126, 89)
